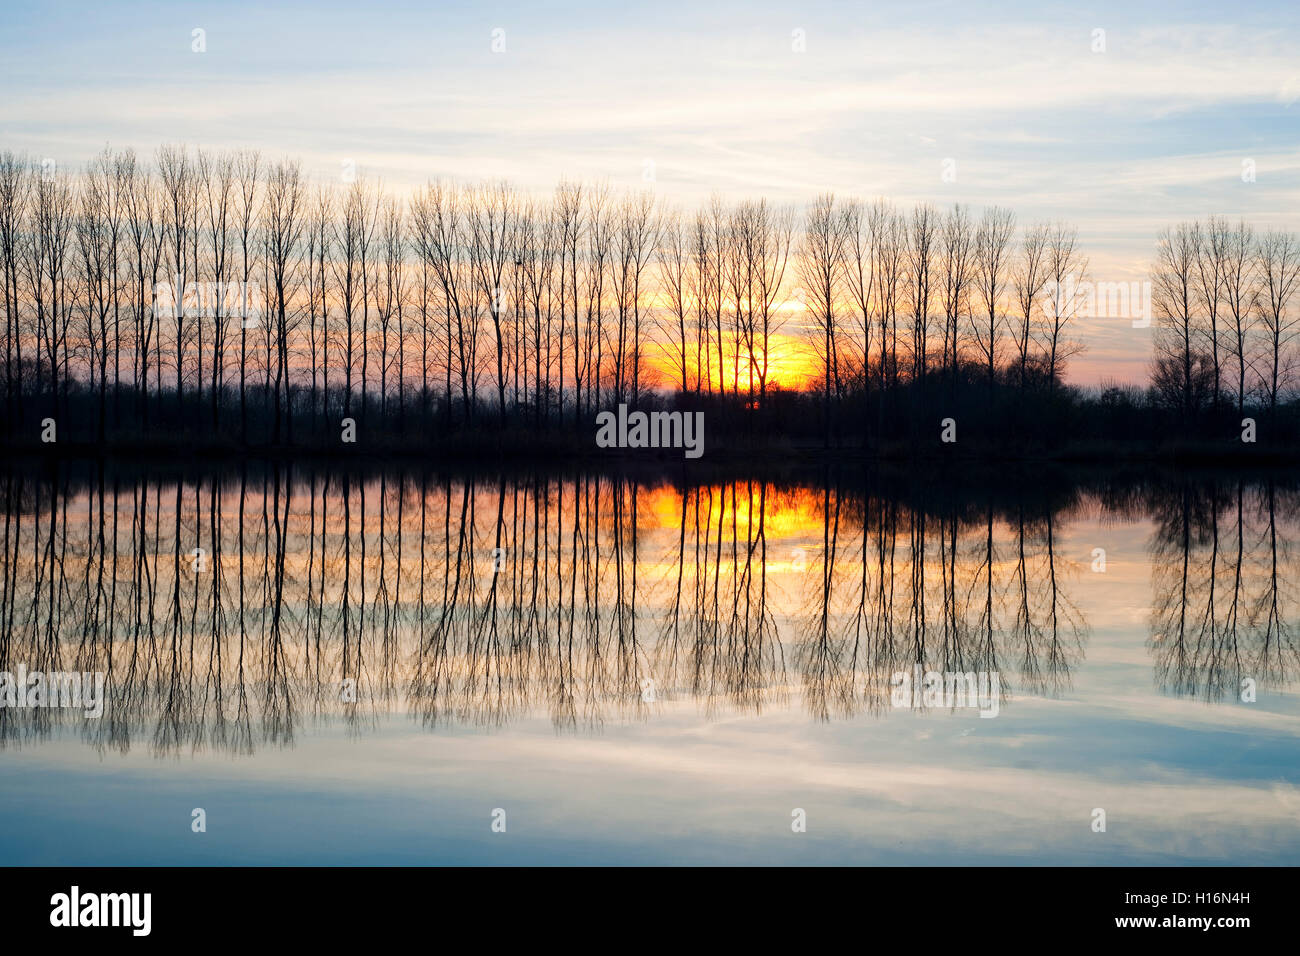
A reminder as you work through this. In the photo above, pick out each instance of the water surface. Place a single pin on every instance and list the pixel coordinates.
(345, 667)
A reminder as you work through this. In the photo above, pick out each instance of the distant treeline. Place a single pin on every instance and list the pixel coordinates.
(217, 299)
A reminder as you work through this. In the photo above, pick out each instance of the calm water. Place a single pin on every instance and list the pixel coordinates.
(349, 668)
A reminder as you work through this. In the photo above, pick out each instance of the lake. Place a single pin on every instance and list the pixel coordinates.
(303, 663)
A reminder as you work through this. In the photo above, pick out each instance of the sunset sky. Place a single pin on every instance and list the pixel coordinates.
(1121, 142)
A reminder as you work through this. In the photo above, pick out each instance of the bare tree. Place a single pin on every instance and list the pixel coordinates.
(367, 200)
(1066, 269)
(218, 176)
(920, 258)
(674, 259)
(568, 210)
(146, 237)
(491, 220)
(890, 270)
(391, 293)
(318, 326)
(992, 254)
(283, 220)
(538, 242)
(13, 202)
(1278, 267)
(588, 350)
(247, 173)
(1211, 272)
(770, 255)
(707, 300)
(440, 238)
(350, 236)
(49, 245)
(959, 250)
(97, 231)
(179, 189)
(1240, 296)
(1029, 275)
(862, 223)
(821, 269)
(638, 229)
(1174, 298)
(715, 252)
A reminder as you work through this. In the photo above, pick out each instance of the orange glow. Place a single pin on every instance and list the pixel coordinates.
(790, 365)
(787, 513)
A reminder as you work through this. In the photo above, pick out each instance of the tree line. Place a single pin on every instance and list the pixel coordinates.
(223, 296)
(201, 288)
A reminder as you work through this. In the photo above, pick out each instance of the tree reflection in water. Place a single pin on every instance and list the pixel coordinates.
(228, 611)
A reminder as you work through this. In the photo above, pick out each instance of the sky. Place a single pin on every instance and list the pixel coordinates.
(1158, 118)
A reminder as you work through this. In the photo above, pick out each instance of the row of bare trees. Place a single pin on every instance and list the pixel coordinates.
(972, 287)
(987, 299)
(206, 289)
(1224, 295)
